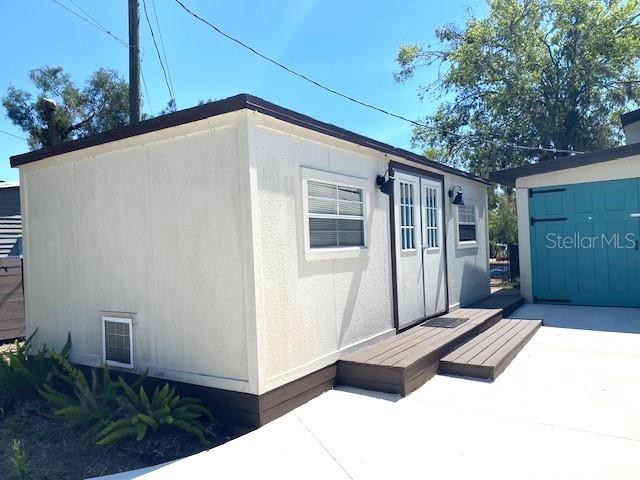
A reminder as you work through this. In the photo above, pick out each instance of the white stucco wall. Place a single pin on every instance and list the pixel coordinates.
(198, 231)
(628, 167)
(468, 268)
(314, 307)
(632, 133)
(156, 225)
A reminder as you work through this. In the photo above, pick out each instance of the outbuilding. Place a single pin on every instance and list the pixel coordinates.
(579, 225)
(243, 247)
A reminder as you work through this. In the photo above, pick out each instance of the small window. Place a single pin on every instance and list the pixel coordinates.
(467, 223)
(117, 341)
(431, 218)
(407, 216)
(335, 215)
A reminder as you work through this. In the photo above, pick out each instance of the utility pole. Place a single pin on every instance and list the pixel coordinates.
(134, 61)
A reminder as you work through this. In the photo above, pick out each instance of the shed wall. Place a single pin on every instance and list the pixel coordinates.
(154, 225)
(313, 307)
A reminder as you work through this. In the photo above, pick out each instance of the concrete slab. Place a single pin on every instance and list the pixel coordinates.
(603, 319)
(566, 408)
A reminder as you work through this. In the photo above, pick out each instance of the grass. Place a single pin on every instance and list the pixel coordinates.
(34, 445)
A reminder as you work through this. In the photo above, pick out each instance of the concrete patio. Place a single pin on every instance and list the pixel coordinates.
(566, 408)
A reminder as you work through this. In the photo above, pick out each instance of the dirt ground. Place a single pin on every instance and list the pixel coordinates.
(53, 450)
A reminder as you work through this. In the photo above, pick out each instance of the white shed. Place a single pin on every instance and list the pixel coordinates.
(242, 247)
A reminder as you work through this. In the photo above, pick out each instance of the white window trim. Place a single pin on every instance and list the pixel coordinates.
(416, 211)
(438, 219)
(309, 174)
(128, 321)
(466, 243)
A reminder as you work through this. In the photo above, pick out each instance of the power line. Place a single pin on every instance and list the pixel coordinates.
(155, 44)
(146, 92)
(360, 102)
(164, 52)
(96, 24)
(15, 136)
(90, 21)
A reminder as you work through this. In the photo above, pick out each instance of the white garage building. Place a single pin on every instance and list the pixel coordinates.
(579, 225)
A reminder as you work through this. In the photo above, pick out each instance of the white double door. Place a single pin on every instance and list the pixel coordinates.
(420, 263)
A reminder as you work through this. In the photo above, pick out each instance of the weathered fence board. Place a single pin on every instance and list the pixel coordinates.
(11, 299)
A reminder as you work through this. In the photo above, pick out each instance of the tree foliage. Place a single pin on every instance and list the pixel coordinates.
(503, 225)
(101, 104)
(551, 73)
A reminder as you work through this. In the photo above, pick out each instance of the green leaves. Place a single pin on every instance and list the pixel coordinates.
(105, 410)
(101, 104)
(23, 372)
(144, 413)
(109, 411)
(549, 73)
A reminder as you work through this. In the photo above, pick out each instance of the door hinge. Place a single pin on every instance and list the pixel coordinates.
(555, 219)
(550, 300)
(550, 190)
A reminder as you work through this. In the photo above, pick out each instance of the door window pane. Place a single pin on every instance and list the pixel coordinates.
(431, 218)
(407, 216)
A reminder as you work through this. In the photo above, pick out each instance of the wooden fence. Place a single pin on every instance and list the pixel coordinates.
(11, 299)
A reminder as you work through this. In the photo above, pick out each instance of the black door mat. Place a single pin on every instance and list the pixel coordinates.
(444, 322)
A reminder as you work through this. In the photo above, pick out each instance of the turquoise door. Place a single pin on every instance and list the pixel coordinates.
(584, 243)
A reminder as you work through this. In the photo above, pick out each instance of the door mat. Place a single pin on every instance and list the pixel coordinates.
(444, 322)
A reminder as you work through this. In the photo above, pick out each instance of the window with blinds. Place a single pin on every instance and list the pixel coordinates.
(335, 215)
(407, 216)
(432, 235)
(467, 223)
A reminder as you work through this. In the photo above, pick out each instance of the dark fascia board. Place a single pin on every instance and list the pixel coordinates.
(630, 117)
(232, 104)
(508, 177)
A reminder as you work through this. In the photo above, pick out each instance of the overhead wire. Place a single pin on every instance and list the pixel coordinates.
(13, 135)
(350, 98)
(164, 52)
(91, 20)
(155, 44)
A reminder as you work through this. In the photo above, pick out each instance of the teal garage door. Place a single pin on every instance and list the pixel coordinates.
(584, 243)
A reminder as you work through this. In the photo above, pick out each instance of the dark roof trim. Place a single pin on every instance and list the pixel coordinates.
(227, 105)
(630, 117)
(509, 176)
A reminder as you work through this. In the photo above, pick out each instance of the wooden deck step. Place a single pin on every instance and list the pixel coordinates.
(489, 353)
(402, 363)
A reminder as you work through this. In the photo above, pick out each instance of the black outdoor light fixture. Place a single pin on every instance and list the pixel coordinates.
(455, 195)
(385, 182)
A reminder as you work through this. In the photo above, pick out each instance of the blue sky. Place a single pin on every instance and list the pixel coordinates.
(348, 45)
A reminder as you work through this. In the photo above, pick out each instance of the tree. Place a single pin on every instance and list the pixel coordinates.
(101, 104)
(503, 226)
(550, 73)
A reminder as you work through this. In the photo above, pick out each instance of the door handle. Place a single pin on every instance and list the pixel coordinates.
(634, 215)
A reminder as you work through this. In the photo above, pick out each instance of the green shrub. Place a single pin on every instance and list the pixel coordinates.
(24, 374)
(108, 411)
(142, 413)
(88, 406)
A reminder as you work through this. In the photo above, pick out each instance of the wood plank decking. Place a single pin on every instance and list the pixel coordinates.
(488, 354)
(402, 363)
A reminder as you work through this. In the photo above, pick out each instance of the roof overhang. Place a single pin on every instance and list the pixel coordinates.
(630, 117)
(227, 105)
(508, 176)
